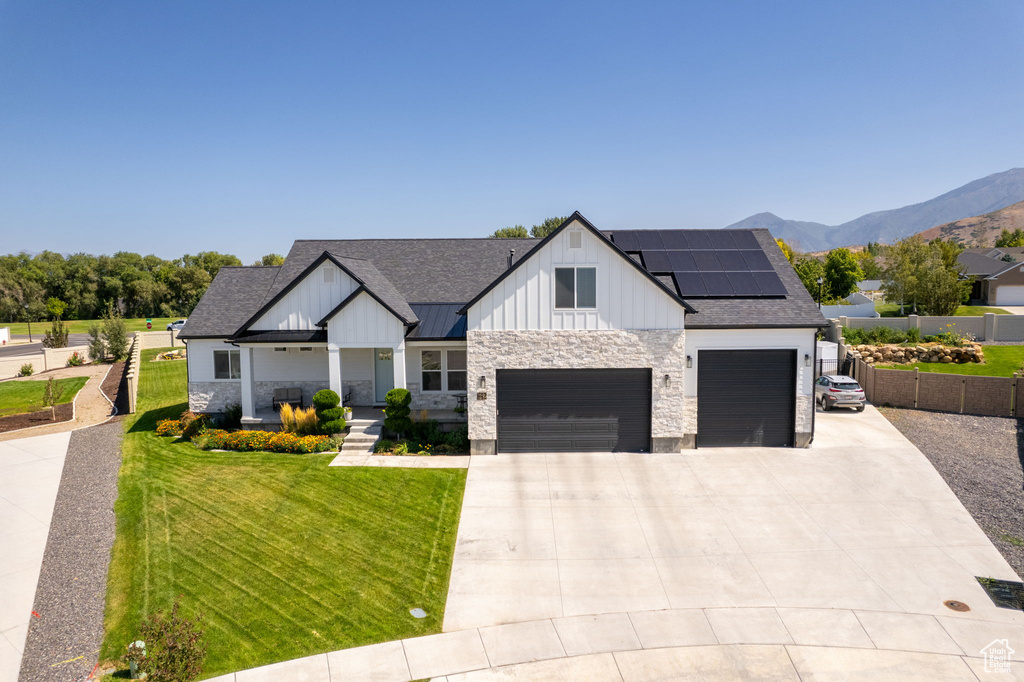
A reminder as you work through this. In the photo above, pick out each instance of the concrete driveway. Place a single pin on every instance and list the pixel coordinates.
(860, 521)
(30, 472)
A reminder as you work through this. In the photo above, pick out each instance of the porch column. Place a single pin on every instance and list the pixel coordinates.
(248, 394)
(334, 370)
(400, 365)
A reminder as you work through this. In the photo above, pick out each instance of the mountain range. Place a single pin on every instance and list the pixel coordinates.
(982, 230)
(976, 198)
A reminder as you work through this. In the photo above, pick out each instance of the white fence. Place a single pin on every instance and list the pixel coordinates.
(988, 327)
(46, 359)
(5, 336)
(159, 339)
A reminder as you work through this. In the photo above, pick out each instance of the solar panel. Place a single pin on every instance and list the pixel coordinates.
(705, 263)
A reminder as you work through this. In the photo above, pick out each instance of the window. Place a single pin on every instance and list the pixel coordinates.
(443, 370)
(328, 274)
(575, 288)
(430, 363)
(456, 370)
(226, 364)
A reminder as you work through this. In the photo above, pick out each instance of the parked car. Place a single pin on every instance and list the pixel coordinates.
(176, 325)
(834, 390)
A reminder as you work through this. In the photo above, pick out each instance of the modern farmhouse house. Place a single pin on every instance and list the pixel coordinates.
(627, 340)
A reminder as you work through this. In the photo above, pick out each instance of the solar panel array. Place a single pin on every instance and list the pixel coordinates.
(705, 263)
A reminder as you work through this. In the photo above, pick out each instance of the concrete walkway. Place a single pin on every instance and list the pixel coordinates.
(860, 521)
(30, 473)
(706, 644)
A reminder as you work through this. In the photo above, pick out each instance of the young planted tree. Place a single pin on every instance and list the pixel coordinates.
(396, 414)
(842, 273)
(97, 349)
(52, 394)
(115, 335)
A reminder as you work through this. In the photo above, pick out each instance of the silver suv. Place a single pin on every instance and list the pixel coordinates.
(176, 325)
(834, 390)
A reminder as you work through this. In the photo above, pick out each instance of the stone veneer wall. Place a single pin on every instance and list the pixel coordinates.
(263, 391)
(213, 396)
(361, 392)
(661, 350)
(431, 400)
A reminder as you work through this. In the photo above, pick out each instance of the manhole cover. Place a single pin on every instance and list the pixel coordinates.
(418, 613)
(956, 605)
(1005, 594)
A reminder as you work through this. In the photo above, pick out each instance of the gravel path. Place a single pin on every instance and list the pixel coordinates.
(64, 641)
(981, 459)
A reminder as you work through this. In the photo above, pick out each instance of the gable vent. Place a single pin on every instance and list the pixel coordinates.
(328, 274)
(575, 239)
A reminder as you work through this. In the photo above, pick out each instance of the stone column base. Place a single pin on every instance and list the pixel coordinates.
(802, 440)
(479, 446)
(687, 442)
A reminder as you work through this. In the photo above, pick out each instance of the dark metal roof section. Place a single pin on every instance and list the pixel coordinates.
(438, 321)
(233, 296)
(284, 336)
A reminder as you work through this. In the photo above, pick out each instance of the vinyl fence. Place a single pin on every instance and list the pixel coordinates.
(46, 359)
(988, 327)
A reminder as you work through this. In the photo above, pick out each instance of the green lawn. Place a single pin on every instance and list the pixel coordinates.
(893, 310)
(18, 397)
(285, 556)
(82, 326)
(1000, 361)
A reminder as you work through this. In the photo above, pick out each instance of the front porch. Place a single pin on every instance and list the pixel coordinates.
(270, 419)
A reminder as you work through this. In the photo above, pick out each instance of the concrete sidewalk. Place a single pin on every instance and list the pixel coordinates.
(707, 644)
(30, 473)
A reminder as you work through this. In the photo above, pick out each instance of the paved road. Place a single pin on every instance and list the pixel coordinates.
(29, 348)
(30, 473)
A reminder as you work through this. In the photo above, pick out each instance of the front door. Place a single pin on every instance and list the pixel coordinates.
(383, 372)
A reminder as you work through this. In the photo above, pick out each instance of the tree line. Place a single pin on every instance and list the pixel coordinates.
(924, 276)
(90, 286)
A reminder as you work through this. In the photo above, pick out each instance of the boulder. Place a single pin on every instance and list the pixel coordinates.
(869, 360)
(945, 358)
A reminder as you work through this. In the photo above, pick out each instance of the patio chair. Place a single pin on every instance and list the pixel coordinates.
(292, 396)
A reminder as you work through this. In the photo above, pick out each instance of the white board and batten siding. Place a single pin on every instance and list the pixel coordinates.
(365, 322)
(309, 301)
(525, 300)
(200, 358)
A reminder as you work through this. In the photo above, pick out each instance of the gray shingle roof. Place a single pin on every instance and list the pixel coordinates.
(977, 264)
(235, 294)
(378, 285)
(796, 309)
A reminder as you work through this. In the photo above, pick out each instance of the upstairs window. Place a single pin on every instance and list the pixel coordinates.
(226, 364)
(575, 288)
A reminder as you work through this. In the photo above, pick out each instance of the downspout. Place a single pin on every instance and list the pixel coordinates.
(814, 409)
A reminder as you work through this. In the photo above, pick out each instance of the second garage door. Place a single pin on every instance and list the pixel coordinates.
(574, 410)
(1009, 295)
(746, 397)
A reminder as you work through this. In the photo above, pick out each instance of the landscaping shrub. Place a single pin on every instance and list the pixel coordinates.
(913, 335)
(396, 414)
(57, 337)
(954, 337)
(306, 422)
(261, 441)
(168, 427)
(401, 448)
(26, 370)
(232, 418)
(174, 650)
(97, 349)
(193, 424)
(75, 359)
(875, 336)
(335, 442)
(384, 445)
(287, 413)
(115, 335)
(330, 416)
(458, 440)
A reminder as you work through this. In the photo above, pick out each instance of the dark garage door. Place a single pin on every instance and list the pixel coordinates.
(746, 397)
(574, 410)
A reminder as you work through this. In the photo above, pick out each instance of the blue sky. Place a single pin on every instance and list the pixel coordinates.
(169, 127)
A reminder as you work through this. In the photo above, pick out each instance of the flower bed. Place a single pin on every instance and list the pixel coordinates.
(262, 441)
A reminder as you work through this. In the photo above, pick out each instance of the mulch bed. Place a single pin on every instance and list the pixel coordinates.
(64, 413)
(115, 386)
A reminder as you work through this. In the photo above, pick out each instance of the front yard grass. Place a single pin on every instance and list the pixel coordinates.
(893, 310)
(285, 556)
(1000, 361)
(19, 397)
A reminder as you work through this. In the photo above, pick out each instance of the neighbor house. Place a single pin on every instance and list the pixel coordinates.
(998, 274)
(625, 340)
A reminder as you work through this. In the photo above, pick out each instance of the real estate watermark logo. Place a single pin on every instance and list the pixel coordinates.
(997, 656)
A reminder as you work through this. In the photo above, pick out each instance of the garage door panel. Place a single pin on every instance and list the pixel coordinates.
(1009, 295)
(574, 410)
(746, 398)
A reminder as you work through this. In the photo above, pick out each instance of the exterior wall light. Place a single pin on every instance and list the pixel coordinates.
(807, 360)
(668, 381)
(483, 381)
(689, 362)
